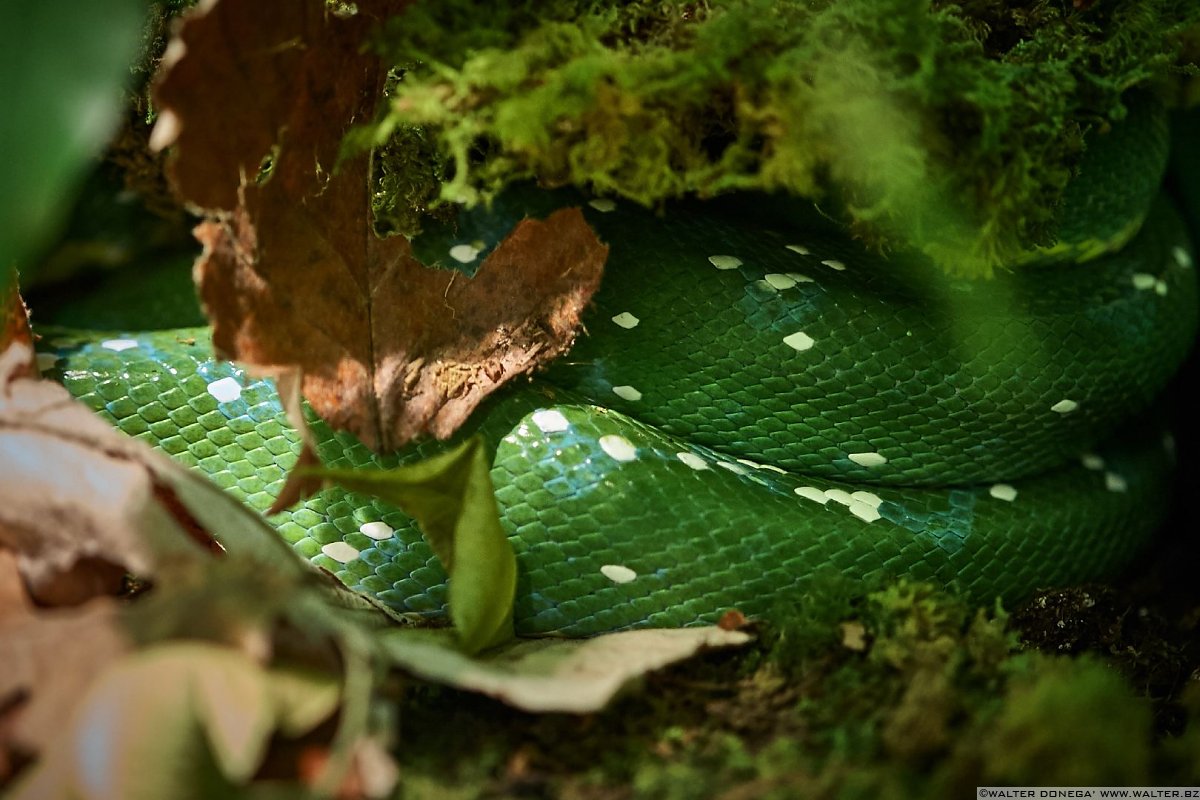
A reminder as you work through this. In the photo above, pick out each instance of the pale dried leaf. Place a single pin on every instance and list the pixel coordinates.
(553, 675)
(50, 659)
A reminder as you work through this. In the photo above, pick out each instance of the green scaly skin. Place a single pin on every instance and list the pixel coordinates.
(975, 434)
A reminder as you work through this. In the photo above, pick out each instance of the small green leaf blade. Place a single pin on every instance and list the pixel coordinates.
(451, 497)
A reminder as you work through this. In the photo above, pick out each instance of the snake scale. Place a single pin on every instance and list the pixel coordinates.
(755, 402)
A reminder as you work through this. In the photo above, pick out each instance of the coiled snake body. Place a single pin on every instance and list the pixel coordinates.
(752, 406)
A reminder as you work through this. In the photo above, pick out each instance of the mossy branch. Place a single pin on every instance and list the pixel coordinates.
(949, 128)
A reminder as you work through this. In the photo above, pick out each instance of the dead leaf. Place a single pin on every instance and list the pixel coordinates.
(74, 506)
(82, 504)
(14, 324)
(75, 492)
(292, 273)
(14, 599)
(50, 660)
(575, 676)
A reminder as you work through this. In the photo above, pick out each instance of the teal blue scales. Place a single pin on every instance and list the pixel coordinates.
(750, 409)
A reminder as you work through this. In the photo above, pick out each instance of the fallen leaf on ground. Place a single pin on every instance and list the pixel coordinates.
(574, 676)
(292, 272)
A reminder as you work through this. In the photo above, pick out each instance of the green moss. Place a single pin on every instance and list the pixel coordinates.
(933, 699)
(949, 128)
(1070, 723)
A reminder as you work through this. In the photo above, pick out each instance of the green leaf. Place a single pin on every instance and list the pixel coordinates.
(62, 69)
(451, 498)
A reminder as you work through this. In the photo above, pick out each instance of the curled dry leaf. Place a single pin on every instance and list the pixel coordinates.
(576, 676)
(14, 323)
(81, 504)
(256, 97)
(50, 660)
(78, 505)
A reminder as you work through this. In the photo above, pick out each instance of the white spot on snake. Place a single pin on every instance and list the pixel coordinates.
(1064, 406)
(340, 552)
(1114, 482)
(1143, 281)
(864, 511)
(603, 205)
(1092, 461)
(799, 248)
(811, 493)
(777, 280)
(799, 278)
(1181, 257)
(226, 390)
(626, 320)
(618, 447)
(839, 496)
(618, 574)
(1003, 491)
(376, 530)
(627, 393)
(550, 420)
(117, 345)
(773, 468)
(749, 463)
(870, 498)
(725, 262)
(799, 340)
(464, 253)
(692, 460)
(46, 361)
(833, 263)
(868, 459)
(736, 469)
(1160, 288)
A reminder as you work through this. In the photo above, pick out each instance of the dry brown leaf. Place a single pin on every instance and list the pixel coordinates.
(81, 504)
(50, 660)
(15, 602)
(78, 506)
(292, 273)
(14, 323)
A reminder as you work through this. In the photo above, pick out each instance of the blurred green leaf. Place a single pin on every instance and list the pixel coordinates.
(451, 497)
(62, 69)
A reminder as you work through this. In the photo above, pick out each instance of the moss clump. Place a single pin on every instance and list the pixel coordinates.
(952, 128)
(1069, 723)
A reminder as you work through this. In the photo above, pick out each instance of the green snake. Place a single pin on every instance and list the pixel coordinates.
(756, 402)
